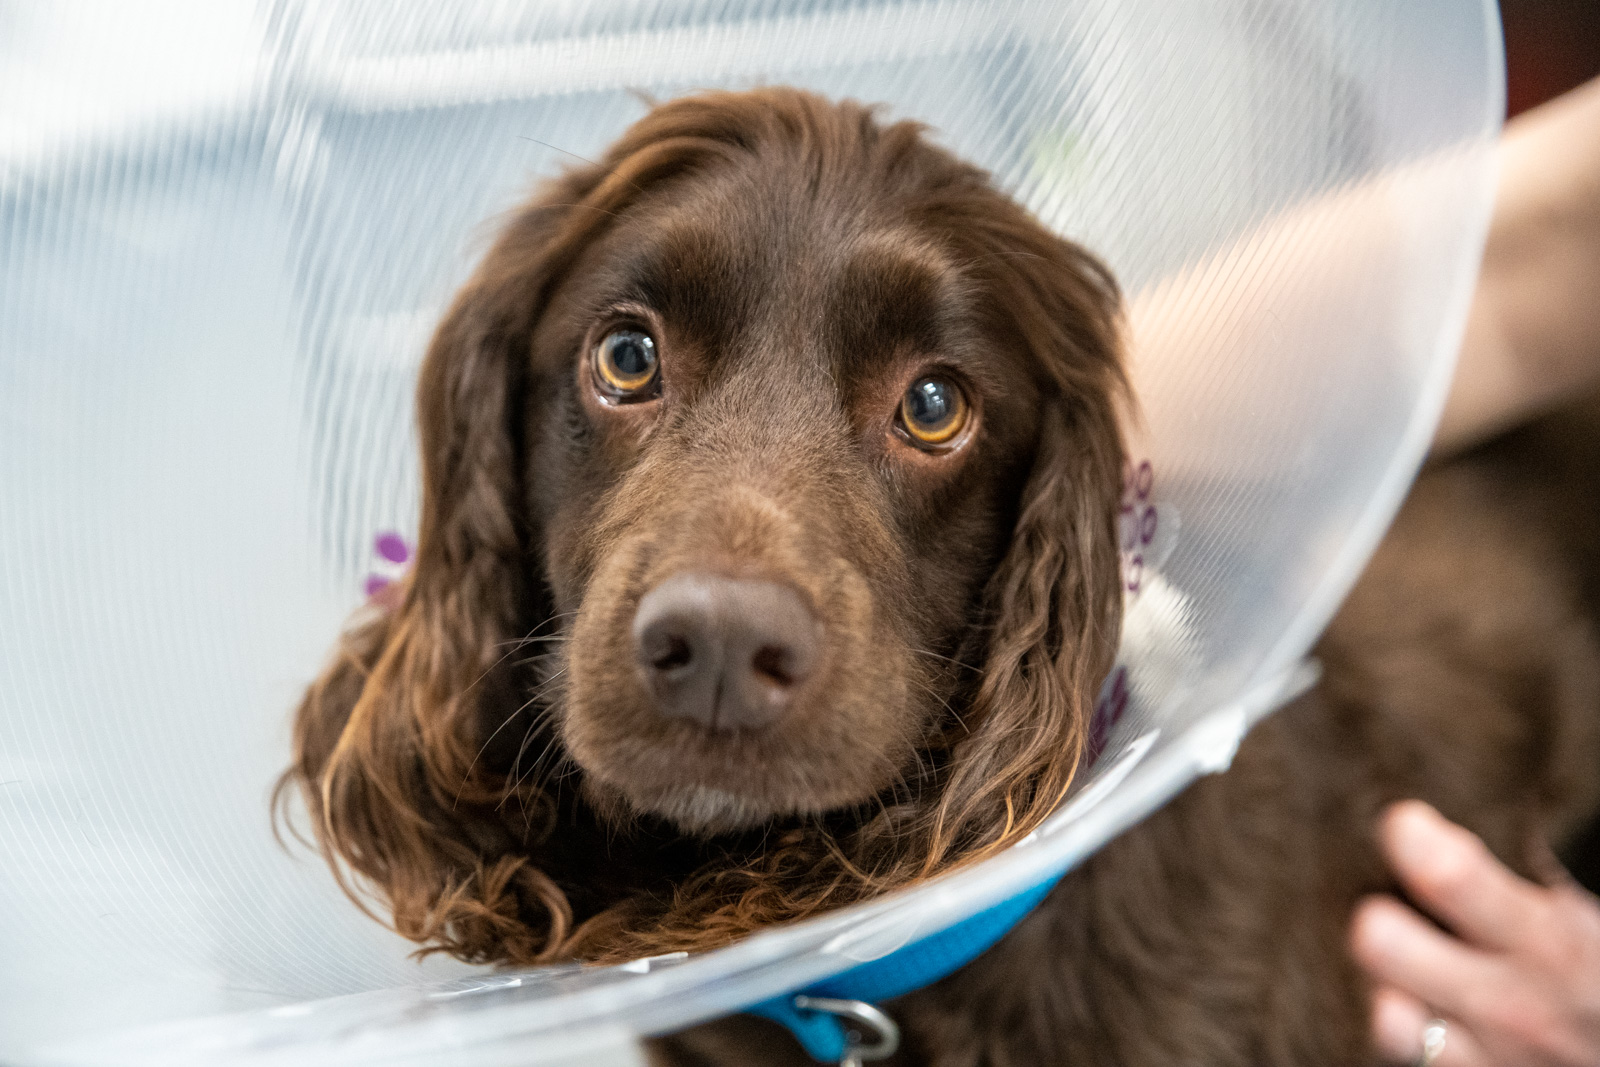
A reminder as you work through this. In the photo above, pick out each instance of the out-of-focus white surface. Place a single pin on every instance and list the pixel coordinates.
(226, 230)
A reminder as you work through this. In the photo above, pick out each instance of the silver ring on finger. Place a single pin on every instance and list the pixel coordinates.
(1433, 1036)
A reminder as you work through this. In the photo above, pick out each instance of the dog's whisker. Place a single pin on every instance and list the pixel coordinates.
(524, 706)
(546, 655)
(544, 685)
(568, 206)
(593, 163)
(516, 777)
(942, 700)
(540, 780)
(455, 804)
(519, 773)
(534, 696)
(507, 654)
(534, 635)
(948, 659)
(552, 639)
(539, 765)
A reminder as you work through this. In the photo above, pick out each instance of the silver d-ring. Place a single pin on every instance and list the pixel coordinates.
(1433, 1036)
(874, 1036)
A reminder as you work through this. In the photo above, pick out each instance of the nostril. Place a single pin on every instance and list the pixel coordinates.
(774, 665)
(673, 653)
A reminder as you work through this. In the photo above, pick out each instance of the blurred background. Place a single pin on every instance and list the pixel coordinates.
(1551, 46)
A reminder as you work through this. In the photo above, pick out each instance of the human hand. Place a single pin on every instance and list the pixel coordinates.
(1518, 982)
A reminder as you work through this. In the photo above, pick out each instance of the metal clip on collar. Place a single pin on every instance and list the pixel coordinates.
(869, 1035)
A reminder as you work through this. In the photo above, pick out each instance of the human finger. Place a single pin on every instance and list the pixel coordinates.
(1450, 872)
(1547, 866)
(1398, 947)
(1399, 1024)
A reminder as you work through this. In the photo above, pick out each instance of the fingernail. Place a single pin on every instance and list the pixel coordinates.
(1413, 833)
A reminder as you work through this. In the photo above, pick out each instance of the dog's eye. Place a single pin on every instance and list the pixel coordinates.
(626, 365)
(933, 411)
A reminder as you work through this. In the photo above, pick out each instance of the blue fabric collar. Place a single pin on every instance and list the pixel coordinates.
(902, 971)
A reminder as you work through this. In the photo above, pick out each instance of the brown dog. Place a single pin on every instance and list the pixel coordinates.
(767, 562)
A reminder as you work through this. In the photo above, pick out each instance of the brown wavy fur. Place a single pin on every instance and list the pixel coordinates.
(409, 748)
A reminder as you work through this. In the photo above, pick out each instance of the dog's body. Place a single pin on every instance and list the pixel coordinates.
(797, 443)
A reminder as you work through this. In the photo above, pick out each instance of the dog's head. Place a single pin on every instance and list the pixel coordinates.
(770, 469)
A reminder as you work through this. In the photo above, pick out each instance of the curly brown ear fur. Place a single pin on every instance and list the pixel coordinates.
(1055, 602)
(387, 740)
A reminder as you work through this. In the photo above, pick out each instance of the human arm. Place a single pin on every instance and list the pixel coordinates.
(1533, 335)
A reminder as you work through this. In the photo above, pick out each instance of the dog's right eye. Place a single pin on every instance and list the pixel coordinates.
(626, 365)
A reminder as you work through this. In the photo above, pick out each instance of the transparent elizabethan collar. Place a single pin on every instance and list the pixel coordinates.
(225, 233)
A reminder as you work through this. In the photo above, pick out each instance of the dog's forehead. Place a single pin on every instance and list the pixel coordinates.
(841, 275)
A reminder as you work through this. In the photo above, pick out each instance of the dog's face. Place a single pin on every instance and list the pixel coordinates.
(779, 452)
(803, 438)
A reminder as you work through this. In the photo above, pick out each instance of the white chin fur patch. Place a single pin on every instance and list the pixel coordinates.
(702, 809)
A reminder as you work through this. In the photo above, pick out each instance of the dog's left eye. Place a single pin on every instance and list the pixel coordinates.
(933, 411)
(626, 365)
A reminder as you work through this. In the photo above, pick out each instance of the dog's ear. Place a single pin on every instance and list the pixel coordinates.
(1055, 602)
(387, 740)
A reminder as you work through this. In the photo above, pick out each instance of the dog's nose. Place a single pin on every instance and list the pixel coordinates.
(725, 652)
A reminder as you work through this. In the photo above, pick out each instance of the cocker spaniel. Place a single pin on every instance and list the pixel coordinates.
(767, 557)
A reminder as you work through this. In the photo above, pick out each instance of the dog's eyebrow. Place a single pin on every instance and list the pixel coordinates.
(900, 284)
(687, 272)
